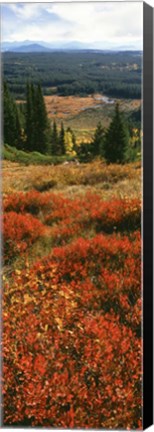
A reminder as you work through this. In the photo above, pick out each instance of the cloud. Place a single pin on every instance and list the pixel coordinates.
(85, 22)
(26, 11)
(32, 21)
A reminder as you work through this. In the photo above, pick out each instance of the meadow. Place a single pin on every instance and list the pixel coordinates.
(72, 295)
(82, 113)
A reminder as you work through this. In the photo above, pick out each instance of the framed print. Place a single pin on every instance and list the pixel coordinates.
(77, 212)
(147, 222)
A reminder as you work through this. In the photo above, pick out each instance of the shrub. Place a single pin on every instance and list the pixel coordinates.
(19, 232)
(30, 202)
(71, 346)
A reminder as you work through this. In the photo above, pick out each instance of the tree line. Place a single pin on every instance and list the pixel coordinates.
(27, 127)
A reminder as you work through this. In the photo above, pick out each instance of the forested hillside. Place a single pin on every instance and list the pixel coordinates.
(117, 74)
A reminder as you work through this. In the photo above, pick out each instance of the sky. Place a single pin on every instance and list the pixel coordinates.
(109, 24)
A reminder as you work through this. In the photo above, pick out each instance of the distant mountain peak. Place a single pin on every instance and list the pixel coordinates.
(32, 47)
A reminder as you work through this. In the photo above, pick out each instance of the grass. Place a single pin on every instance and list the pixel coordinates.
(85, 122)
(71, 179)
(14, 155)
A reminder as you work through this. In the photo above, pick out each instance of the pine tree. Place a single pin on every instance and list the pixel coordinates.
(62, 140)
(54, 139)
(116, 139)
(30, 126)
(22, 120)
(37, 126)
(74, 141)
(41, 124)
(11, 121)
(97, 143)
(19, 140)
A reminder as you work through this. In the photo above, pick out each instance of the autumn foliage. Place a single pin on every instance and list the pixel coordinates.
(72, 319)
(20, 231)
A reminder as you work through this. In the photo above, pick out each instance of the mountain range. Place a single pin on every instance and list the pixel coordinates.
(33, 46)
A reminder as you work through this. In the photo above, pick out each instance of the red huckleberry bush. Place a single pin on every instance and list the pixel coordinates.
(77, 361)
(19, 232)
(72, 319)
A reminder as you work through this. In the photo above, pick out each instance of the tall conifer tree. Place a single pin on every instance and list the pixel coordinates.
(97, 143)
(116, 139)
(30, 118)
(37, 126)
(41, 122)
(11, 121)
(62, 140)
(54, 139)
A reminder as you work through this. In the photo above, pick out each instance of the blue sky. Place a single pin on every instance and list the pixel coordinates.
(109, 23)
